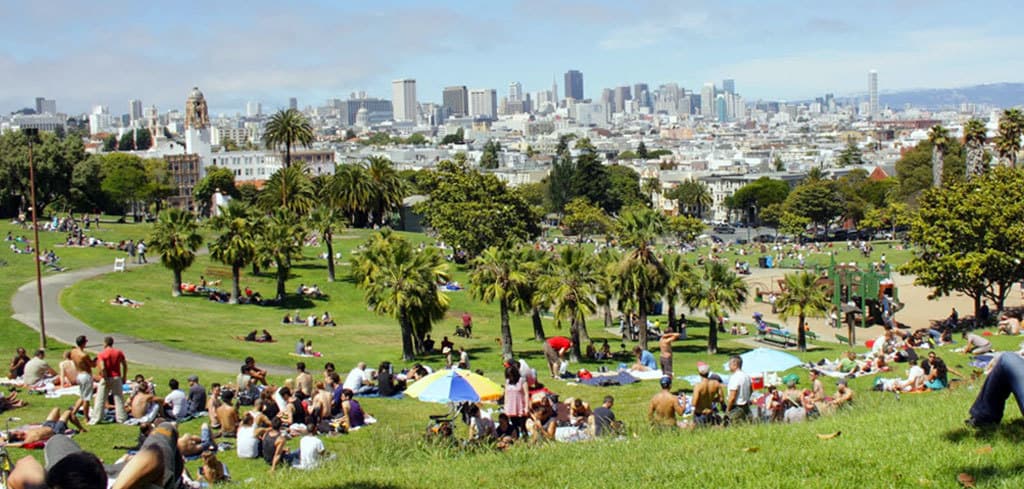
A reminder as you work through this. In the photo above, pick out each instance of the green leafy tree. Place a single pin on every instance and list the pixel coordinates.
(416, 140)
(143, 139)
(288, 188)
(54, 160)
(110, 143)
(692, 196)
(326, 218)
(651, 187)
(497, 276)
(680, 275)
(938, 136)
(850, 156)
(717, 290)
(889, 217)
(914, 168)
(758, 195)
(489, 157)
(159, 182)
(641, 151)
(560, 181)
(235, 244)
(176, 238)
(570, 288)
(279, 239)
(584, 219)
(127, 142)
(534, 264)
(354, 192)
(1008, 138)
(624, 189)
(248, 193)
(819, 201)
(685, 228)
(124, 177)
(288, 128)
(388, 189)
(457, 138)
(975, 135)
(804, 296)
(627, 155)
(472, 211)
(778, 164)
(87, 186)
(607, 285)
(217, 178)
(402, 282)
(641, 274)
(590, 180)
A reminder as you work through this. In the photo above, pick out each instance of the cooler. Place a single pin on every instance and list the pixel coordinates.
(757, 382)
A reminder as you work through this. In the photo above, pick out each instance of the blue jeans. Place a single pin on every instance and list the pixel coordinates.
(1006, 377)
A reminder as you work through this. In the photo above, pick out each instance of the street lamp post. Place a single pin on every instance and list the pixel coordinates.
(31, 134)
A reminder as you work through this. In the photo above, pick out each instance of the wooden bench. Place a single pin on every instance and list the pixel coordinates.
(842, 339)
(811, 335)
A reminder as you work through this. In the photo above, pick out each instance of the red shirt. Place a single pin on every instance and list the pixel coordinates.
(466, 320)
(559, 342)
(112, 359)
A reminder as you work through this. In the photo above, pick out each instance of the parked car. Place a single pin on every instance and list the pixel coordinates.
(724, 229)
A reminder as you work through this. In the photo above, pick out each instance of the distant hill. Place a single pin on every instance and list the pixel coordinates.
(997, 94)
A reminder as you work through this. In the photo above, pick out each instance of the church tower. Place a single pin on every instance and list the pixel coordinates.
(197, 124)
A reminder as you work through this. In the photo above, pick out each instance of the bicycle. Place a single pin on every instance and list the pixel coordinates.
(6, 465)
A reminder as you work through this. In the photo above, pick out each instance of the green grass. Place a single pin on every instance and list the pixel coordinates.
(916, 441)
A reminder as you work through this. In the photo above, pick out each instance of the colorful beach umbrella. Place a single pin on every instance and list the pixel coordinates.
(455, 385)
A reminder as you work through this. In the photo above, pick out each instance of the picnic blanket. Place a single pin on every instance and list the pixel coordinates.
(315, 354)
(646, 374)
(981, 361)
(621, 377)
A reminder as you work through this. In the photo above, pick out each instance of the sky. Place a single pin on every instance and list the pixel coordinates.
(104, 53)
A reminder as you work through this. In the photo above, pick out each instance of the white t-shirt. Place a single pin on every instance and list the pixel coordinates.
(176, 399)
(310, 451)
(739, 381)
(247, 442)
(355, 379)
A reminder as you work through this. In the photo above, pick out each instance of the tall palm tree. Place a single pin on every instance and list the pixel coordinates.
(388, 188)
(607, 286)
(402, 282)
(176, 237)
(534, 265)
(716, 291)
(279, 240)
(974, 140)
(496, 276)
(288, 128)
(354, 192)
(325, 220)
(641, 275)
(694, 196)
(804, 296)
(570, 289)
(680, 275)
(1011, 127)
(288, 188)
(236, 244)
(939, 137)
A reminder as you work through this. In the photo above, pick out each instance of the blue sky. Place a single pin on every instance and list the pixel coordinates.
(87, 53)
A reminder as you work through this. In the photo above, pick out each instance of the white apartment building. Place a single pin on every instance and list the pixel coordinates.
(403, 100)
(483, 103)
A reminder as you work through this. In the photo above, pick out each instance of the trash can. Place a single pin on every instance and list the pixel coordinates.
(762, 261)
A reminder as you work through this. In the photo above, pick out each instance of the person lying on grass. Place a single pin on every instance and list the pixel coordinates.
(56, 423)
(121, 300)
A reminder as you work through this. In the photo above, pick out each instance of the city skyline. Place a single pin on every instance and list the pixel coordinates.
(778, 52)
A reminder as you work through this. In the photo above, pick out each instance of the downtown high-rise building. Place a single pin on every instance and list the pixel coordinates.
(293, 103)
(729, 86)
(622, 96)
(515, 91)
(253, 109)
(135, 110)
(641, 95)
(873, 94)
(707, 101)
(574, 85)
(46, 106)
(483, 103)
(403, 99)
(455, 101)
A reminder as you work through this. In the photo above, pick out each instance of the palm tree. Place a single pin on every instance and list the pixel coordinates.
(176, 237)
(717, 290)
(279, 240)
(388, 188)
(287, 128)
(236, 244)
(535, 264)
(353, 192)
(804, 296)
(695, 196)
(325, 220)
(570, 289)
(288, 188)
(974, 139)
(402, 282)
(607, 286)
(1011, 127)
(496, 276)
(680, 275)
(939, 137)
(641, 276)
(652, 187)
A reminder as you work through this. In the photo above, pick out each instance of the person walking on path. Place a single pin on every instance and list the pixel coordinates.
(113, 369)
(140, 249)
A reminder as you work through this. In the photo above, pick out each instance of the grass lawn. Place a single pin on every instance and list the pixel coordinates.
(913, 441)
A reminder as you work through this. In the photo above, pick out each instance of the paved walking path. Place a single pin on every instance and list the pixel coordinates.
(65, 328)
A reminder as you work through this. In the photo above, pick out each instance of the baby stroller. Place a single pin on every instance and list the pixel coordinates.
(442, 426)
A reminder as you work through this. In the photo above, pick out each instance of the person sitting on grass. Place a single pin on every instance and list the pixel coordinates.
(1009, 324)
(327, 320)
(541, 424)
(937, 372)
(265, 337)
(251, 336)
(975, 345)
(665, 406)
(17, 366)
(353, 416)
(37, 372)
(1006, 376)
(258, 374)
(56, 423)
(844, 395)
(481, 428)
(158, 464)
(287, 319)
(213, 470)
(145, 406)
(227, 415)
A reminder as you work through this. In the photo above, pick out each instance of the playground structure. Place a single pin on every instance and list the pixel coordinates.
(858, 293)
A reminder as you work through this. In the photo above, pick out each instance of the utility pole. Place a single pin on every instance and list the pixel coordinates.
(31, 134)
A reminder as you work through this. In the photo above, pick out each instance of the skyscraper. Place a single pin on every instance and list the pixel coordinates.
(622, 95)
(641, 93)
(253, 109)
(403, 99)
(483, 103)
(872, 94)
(455, 101)
(293, 103)
(707, 101)
(515, 92)
(729, 86)
(574, 84)
(135, 109)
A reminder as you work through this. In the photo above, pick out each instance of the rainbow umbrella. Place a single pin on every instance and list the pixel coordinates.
(455, 385)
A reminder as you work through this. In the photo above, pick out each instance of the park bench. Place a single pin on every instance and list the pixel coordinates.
(842, 339)
(776, 335)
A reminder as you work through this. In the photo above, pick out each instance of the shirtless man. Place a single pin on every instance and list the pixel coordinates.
(84, 364)
(705, 394)
(665, 344)
(55, 424)
(144, 403)
(843, 394)
(303, 381)
(321, 405)
(665, 406)
(227, 416)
